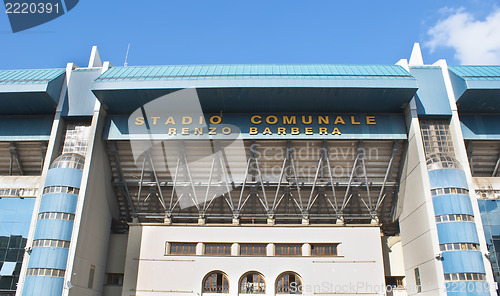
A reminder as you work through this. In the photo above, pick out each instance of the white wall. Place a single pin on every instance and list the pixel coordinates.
(419, 238)
(116, 261)
(358, 267)
(91, 231)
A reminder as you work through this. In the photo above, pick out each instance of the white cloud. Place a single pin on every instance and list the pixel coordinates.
(476, 42)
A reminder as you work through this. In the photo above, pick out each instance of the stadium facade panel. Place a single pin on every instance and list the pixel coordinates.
(250, 179)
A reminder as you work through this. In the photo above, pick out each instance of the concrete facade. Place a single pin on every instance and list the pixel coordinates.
(345, 180)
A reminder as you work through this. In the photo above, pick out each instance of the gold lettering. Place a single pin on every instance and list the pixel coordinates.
(309, 131)
(139, 121)
(216, 119)
(309, 121)
(353, 121)
(198, 131)
(323, 119)
(267, 131)
(170, 120)
(172, 131)
(253, 131)
(336, 131)
(212, 131)
(323, 131)
(281, 131)
(370, 120)
(256, 119)
(295, 131)
(339, 120)
(155, 119)
(186, 119)
(185, 131)
(201, 120)
(271, 119)
(226, 130)
(289, 120)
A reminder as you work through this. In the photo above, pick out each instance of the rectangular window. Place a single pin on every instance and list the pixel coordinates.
(253, 249)
(91, 276)
(114, 279)
(324, 249)
(417, 280)
(183, 248)
(396, 282)
(218, 249)
(288, 249)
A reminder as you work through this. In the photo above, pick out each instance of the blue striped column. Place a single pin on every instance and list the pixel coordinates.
(49, 253)
(462, 259)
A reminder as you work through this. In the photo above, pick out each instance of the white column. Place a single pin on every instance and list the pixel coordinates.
(306, 249)
(270, 250)
(200, 249)
(235, 249)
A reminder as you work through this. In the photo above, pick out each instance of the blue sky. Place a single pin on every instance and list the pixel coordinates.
(249, 32)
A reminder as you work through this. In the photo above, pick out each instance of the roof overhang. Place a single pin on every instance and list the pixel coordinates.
(25, 128)
(259, 92)
(480, 127)
(30, 91)
(268, 99)
(477, 88)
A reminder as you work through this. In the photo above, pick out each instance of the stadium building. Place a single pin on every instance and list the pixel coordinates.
(250, 179)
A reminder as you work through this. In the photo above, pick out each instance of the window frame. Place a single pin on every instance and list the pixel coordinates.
(253, 254)
(299, 245)
(334, 246)
(171, 252)
(205, 245)
(113, 279)
(288, 273)
(244, 277)
(224, 280)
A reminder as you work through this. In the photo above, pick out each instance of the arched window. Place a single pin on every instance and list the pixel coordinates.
(252, 283)
(289, 283)
(216, 282)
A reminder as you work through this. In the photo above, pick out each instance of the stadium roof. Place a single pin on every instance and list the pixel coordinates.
(253, 88)
(477, 88)
(30, 91)
(255, 71)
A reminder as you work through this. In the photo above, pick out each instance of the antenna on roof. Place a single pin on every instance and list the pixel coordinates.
(126, 56)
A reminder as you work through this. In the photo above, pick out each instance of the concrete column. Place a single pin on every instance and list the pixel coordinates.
(306, 249)
(270, 250)
(235, 249)
(200, 249)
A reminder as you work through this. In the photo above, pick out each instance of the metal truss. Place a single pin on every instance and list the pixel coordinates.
(322, 197)
(14, 156)
(121, 184)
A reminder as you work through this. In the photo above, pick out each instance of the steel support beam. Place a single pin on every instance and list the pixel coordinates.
(15, 156)
(381, 195)
(124, 187)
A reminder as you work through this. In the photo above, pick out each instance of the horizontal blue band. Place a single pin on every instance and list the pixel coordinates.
(447, 178)
(467, 288)
(64, 177)
(59, 202)
(54, 229)
(457, 232)
(43, 285)
(463, 262)
(47, 257)
(452, 204)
